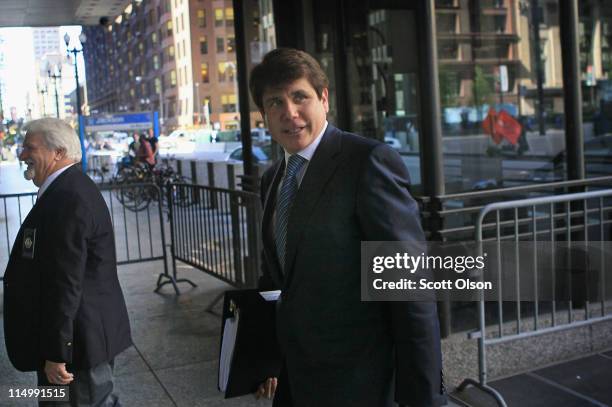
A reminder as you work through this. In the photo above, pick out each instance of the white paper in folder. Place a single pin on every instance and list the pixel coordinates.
(228, 343)
(227, 349)
(270, 295)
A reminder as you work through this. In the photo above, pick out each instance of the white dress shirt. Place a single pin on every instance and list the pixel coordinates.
(306, 153)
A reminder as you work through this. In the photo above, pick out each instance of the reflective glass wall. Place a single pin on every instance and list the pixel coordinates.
(596, 77)
(501, 93)
(369, 51)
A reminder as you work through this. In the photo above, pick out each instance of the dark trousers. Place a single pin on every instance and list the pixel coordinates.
(90, 388)
(283, 398)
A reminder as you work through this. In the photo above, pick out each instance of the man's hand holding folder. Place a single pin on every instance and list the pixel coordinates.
(249, 354)
(267, 388)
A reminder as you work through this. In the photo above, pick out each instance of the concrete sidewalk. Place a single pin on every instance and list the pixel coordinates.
(176, 342)
(173, 362)
(584, 381)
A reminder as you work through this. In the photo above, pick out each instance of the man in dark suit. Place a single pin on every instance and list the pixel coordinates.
(331, 191)
(64, 312)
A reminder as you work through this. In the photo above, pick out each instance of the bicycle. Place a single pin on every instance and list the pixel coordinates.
(136, 195)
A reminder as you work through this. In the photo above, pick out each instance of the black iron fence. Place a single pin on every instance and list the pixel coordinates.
(215, 230)
(140, 235)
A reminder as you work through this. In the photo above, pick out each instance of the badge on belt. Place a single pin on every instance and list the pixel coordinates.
(29, 240)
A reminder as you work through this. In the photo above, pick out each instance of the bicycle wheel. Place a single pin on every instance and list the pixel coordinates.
(181, 195)
(133, 197)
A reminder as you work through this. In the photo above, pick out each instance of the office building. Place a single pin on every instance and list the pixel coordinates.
(179, 52)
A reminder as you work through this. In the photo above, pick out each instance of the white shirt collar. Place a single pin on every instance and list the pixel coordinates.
(50, 179)
(309, 151)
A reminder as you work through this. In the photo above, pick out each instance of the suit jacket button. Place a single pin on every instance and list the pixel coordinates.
(68, 343)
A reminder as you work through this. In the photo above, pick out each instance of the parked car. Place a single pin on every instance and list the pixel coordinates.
(260, 154)
(393, 142)
(261, 135)
(258, 135)
(187, 139)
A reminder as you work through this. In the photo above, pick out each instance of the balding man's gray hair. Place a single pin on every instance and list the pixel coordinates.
(57, 134)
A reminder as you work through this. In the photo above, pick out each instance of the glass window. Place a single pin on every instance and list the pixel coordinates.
(203, 45)
(153, 38)
(221, 71)
(171, 108)
(229, 16)
(226, 71)
(155, 62)
(498, 129)
(158, 85)
(231, 43)
(173, 77)
(220, 44)
(218, 17)
(228, 103)
(204, 72)
(201, 14)
(169, 28)
(595, 47)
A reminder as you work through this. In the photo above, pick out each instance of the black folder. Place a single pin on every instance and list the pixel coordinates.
(256, 354)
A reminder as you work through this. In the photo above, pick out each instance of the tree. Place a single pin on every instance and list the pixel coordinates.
(482, 88)
(448, 87)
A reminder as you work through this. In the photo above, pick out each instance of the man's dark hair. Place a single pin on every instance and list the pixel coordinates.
(283, 66)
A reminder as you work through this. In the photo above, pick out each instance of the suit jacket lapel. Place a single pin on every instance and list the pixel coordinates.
(267, 232)
(319, 172)
(38, 204)
(56, 182)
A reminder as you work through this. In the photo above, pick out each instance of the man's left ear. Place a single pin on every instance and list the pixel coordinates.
(60, 154)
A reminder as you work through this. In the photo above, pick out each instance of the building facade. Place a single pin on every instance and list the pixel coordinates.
(174, 56)
(46, 41)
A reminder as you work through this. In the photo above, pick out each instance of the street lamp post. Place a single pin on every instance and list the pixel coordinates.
(75, 52)
(161, 105)
(43, 92)
(55, 77)
(196, 105)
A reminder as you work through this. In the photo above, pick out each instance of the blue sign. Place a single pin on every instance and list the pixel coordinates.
(120, 121)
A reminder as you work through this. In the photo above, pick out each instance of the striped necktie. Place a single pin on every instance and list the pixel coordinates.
(285, 201)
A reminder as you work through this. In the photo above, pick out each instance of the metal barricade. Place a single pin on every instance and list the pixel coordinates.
(567, 218)
(140, 234)
(14, 209)
(216, 231)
